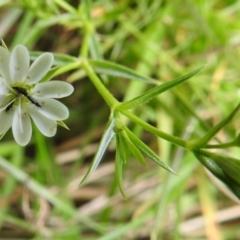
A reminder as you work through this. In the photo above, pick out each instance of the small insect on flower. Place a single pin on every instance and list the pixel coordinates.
(9, 107)
(33, 101)
(23, 91)
(24, 96)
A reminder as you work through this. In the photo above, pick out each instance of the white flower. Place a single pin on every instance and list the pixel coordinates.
(22, 95)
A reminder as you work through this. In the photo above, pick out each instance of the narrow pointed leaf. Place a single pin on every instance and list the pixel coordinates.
(50, 74)
(134, 149)
(3, 44)
(212, 132)
(106, 139)
(119, 161)
(237, 141)
(145, 149)
(94, 48)
(86, 5)
(62, 124)
(59, 59)
(113, 69)
(150, 94)
(91, 36)
(123, 148)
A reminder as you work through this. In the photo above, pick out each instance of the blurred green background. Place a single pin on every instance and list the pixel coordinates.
(158, 39)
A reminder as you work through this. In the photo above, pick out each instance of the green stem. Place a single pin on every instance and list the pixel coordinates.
(213, 131)
(107, 96)
(223, 145)
(85, 44)
(175, 140)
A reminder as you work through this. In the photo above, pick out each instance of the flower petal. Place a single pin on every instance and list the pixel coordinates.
(19, 63)
(53, 89)
(4, 65)
(52, 108)
(6, 121)
(3, 87)
(21, 128)
(4, 102)
(39, 68)
(46, 126)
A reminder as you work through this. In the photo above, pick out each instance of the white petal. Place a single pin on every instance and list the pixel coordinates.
(6, 121)
(4, 102)
(3, 87)
(53, 89)
(21, 128)
(52, 108)
(4, 65)
(46, 126)
(39, 68)
(19, 63)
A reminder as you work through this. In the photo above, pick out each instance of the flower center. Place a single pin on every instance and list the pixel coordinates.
(23, 92)
(20, 93)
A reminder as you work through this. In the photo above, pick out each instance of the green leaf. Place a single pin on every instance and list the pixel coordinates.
(223, 167)
(237, 141)
(145, 149)
(230, 166)
(118, 126)
(212, 132)
(150, 94)
(59, 59)
(106, 139)
(86, 9)
(66, 6)
(133, 149)
(94, 48)
(119, 161)
(3, 44)
(123, 148)
(113, 69)
(50, 74)
(210, 165)
(89, 42)
(62, 124)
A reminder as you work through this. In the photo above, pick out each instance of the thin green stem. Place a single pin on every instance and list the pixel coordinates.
(213, 131)
(107, 96)
(85, 44)
(88, 29)
(67, 68)
(175, 140)
(223, 145)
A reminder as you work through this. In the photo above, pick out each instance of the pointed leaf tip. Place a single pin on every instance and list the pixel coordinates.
(106, 139)
(146, 150)
(150, 94)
